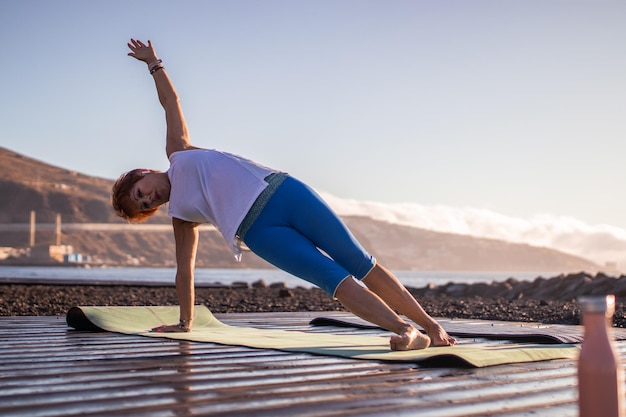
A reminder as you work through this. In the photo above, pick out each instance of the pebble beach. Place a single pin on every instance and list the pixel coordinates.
(549, 301)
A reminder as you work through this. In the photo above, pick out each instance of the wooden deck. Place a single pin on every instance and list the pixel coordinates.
(48, 369)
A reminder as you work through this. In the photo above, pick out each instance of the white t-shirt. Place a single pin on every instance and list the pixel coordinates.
(210, 186)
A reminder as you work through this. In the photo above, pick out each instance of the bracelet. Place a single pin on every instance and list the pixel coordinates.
(184, 325)
(154, 64)
(152, 71)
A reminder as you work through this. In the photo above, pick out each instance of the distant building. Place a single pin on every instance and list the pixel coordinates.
(8, 252)
(75, 258)
(47, 253)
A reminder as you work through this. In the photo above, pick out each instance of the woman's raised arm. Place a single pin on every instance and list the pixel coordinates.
(177, 133)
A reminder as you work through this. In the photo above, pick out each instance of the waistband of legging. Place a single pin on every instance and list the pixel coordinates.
(274, 180)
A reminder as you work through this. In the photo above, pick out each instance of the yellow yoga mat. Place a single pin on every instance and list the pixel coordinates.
(208, 329)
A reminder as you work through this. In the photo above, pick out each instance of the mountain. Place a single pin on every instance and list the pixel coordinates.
(410, 248)
(28, 184)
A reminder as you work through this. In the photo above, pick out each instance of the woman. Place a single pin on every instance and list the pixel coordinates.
(279, 218)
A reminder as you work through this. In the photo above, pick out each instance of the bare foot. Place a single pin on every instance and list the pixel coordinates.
(410, 339)
(439, 336)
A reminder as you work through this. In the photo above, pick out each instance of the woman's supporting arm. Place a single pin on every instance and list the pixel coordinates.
(186, 239)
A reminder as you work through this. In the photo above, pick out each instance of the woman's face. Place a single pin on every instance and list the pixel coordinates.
(150, 192)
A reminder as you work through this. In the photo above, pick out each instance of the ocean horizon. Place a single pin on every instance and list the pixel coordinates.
(228, 276)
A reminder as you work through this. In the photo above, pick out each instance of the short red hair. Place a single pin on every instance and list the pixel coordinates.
(120, 197)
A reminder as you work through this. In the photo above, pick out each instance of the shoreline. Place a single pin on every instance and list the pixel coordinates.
(547, 301)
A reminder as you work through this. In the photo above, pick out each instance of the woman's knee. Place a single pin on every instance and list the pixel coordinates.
(346, 288)
(378, 274)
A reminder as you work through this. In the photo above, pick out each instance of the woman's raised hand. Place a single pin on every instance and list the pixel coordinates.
(141, 51)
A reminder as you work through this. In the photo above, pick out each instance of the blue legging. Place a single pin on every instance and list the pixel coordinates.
(293, 229)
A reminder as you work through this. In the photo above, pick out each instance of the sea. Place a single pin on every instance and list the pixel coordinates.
(212, 276)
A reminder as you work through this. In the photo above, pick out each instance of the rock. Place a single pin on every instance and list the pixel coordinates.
(561, 287)
(480, 289)
(455, 290)
(285, 293)
(259, 284)
(278, 285)
(619, 288)
(602, 285)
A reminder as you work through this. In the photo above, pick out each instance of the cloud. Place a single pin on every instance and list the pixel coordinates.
(599, 243)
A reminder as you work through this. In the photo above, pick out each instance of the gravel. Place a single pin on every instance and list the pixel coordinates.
(55, 300)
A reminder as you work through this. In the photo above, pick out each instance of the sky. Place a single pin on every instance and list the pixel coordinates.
(497, 118)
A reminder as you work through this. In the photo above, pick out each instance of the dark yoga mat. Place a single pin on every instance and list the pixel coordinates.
(561, 334)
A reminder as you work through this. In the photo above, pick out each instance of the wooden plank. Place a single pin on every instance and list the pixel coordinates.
(48, 369)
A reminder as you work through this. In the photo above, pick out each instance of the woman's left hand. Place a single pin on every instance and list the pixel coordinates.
(141, 51)
(170, 328)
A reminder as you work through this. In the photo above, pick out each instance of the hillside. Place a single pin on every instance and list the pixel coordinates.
(413, 248)
(35, 185)
(28, 184)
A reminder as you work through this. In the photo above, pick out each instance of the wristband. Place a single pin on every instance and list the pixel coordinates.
(154, 64)
(152, 71)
